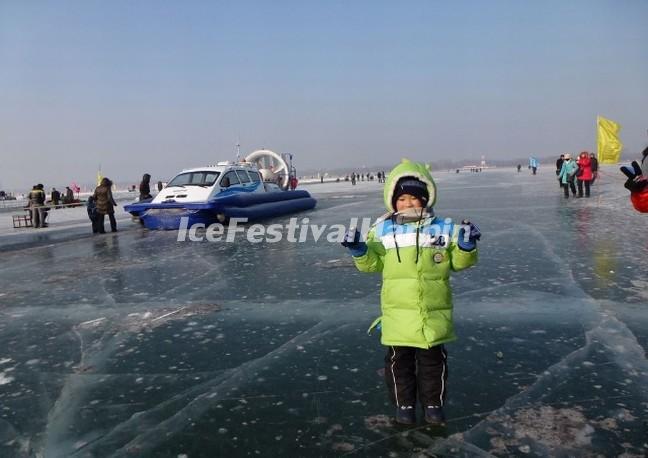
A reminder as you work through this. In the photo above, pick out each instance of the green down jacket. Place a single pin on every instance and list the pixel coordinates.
(415, 259)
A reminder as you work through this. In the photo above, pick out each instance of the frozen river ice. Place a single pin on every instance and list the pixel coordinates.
(134, 344)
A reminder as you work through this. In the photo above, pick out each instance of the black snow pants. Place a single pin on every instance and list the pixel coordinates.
(100, 222)
(587, 188)
(410, 371)
(569, 185)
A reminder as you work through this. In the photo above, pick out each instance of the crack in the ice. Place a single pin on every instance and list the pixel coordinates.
(146, 439)
(602, 334)
(142, 429)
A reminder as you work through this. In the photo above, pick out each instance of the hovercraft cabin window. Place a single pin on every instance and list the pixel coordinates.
(233, 178)
(255, 176)
(210, 178)
(243, 176)
(195, 178)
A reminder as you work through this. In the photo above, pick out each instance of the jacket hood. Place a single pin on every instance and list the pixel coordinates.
(409, 169)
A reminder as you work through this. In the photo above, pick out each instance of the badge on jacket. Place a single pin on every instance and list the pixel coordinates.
(438, 258)
(439, 241)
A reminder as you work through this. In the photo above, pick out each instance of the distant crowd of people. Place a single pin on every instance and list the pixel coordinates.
(355, 177)
(577, 174)
(100, 204)
(37, 203)
(533, 168)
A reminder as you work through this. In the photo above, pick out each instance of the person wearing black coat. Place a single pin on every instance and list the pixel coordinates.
(93, 214)
(69, 195)
(145, 188)
(56, 197)
(594, 164)
(105, 205)
(559, 163)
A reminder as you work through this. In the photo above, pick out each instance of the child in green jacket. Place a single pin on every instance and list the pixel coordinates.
(415, 251)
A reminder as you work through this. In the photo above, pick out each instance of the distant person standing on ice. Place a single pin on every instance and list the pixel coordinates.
(105, 205)
(92, 214)
(36, 203)
(533, 165)
(559, 163)
(594, 166)
(415, 251)
(519, 167)
(145, 188)
(56, 197)
(69, 195)
(567, 175)
(584, 175)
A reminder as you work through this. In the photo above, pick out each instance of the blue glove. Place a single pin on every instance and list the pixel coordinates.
(353, 241)
(473, 236)
(635, 181)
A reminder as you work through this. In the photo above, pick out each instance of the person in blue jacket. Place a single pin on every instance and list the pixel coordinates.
(567, 175)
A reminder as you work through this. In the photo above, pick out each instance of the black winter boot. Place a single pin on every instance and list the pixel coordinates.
(434, 415)
(406, 415)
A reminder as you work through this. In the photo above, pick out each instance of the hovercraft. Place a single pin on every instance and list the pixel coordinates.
(255, 188)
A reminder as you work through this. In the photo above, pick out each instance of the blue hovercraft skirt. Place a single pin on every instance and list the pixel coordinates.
(253, 206)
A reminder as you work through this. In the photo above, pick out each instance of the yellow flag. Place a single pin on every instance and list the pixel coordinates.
(99, 177)
(609, 145)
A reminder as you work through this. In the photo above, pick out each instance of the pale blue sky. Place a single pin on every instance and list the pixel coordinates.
(158, 86)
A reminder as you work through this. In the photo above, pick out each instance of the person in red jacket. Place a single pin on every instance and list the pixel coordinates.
(293, 183)
(584, 174)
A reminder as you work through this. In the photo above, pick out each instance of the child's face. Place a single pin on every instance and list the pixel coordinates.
(406, 201)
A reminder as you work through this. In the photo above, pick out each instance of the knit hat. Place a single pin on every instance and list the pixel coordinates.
(411, 186)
